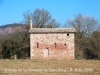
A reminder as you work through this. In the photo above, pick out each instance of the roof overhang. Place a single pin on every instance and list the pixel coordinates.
(52, 30)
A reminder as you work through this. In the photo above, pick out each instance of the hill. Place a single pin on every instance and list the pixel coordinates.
(11, 28)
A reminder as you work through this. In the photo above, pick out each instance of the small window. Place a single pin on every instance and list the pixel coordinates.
(64, 44)
(67, 34)
(37, 45)
(55, 45)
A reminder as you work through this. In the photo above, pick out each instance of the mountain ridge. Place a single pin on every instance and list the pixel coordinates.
(12, 28)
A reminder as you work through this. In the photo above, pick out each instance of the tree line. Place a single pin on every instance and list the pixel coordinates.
(87, 41)
(87, 35)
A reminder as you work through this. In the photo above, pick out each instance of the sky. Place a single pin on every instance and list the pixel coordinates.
(11, 11)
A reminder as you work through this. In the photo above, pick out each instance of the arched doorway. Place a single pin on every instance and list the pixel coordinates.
(46, 52)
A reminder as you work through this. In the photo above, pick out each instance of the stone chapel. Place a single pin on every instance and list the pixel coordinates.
(52, 43)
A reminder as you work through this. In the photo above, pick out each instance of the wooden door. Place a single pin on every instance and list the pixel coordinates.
(46, 52)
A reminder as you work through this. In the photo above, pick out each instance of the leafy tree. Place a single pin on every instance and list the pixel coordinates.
(0, 51)
(96, 43)
(12, 46)
(6, 53)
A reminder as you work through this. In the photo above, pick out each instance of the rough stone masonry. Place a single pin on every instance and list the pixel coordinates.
(52, 43)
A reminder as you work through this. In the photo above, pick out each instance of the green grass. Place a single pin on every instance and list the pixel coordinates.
(49, 67)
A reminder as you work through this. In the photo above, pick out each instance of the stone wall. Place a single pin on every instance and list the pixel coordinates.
(52, 46)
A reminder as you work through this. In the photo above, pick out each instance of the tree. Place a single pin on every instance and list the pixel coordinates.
(96, 43)
(0, 51)
(84, 24)
(85, 27)
(6, 53)
(41, 19)
(12, 46)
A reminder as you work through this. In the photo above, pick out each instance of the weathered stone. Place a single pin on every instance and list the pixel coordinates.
(51, 30)
(52, 43)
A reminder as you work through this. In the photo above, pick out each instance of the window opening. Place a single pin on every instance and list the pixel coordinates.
(55, 45)
(37, 45)
(67, 34)
(64, 44)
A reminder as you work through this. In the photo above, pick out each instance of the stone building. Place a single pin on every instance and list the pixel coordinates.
(52, 43)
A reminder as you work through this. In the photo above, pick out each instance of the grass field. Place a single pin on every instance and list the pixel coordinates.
(49, 67)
